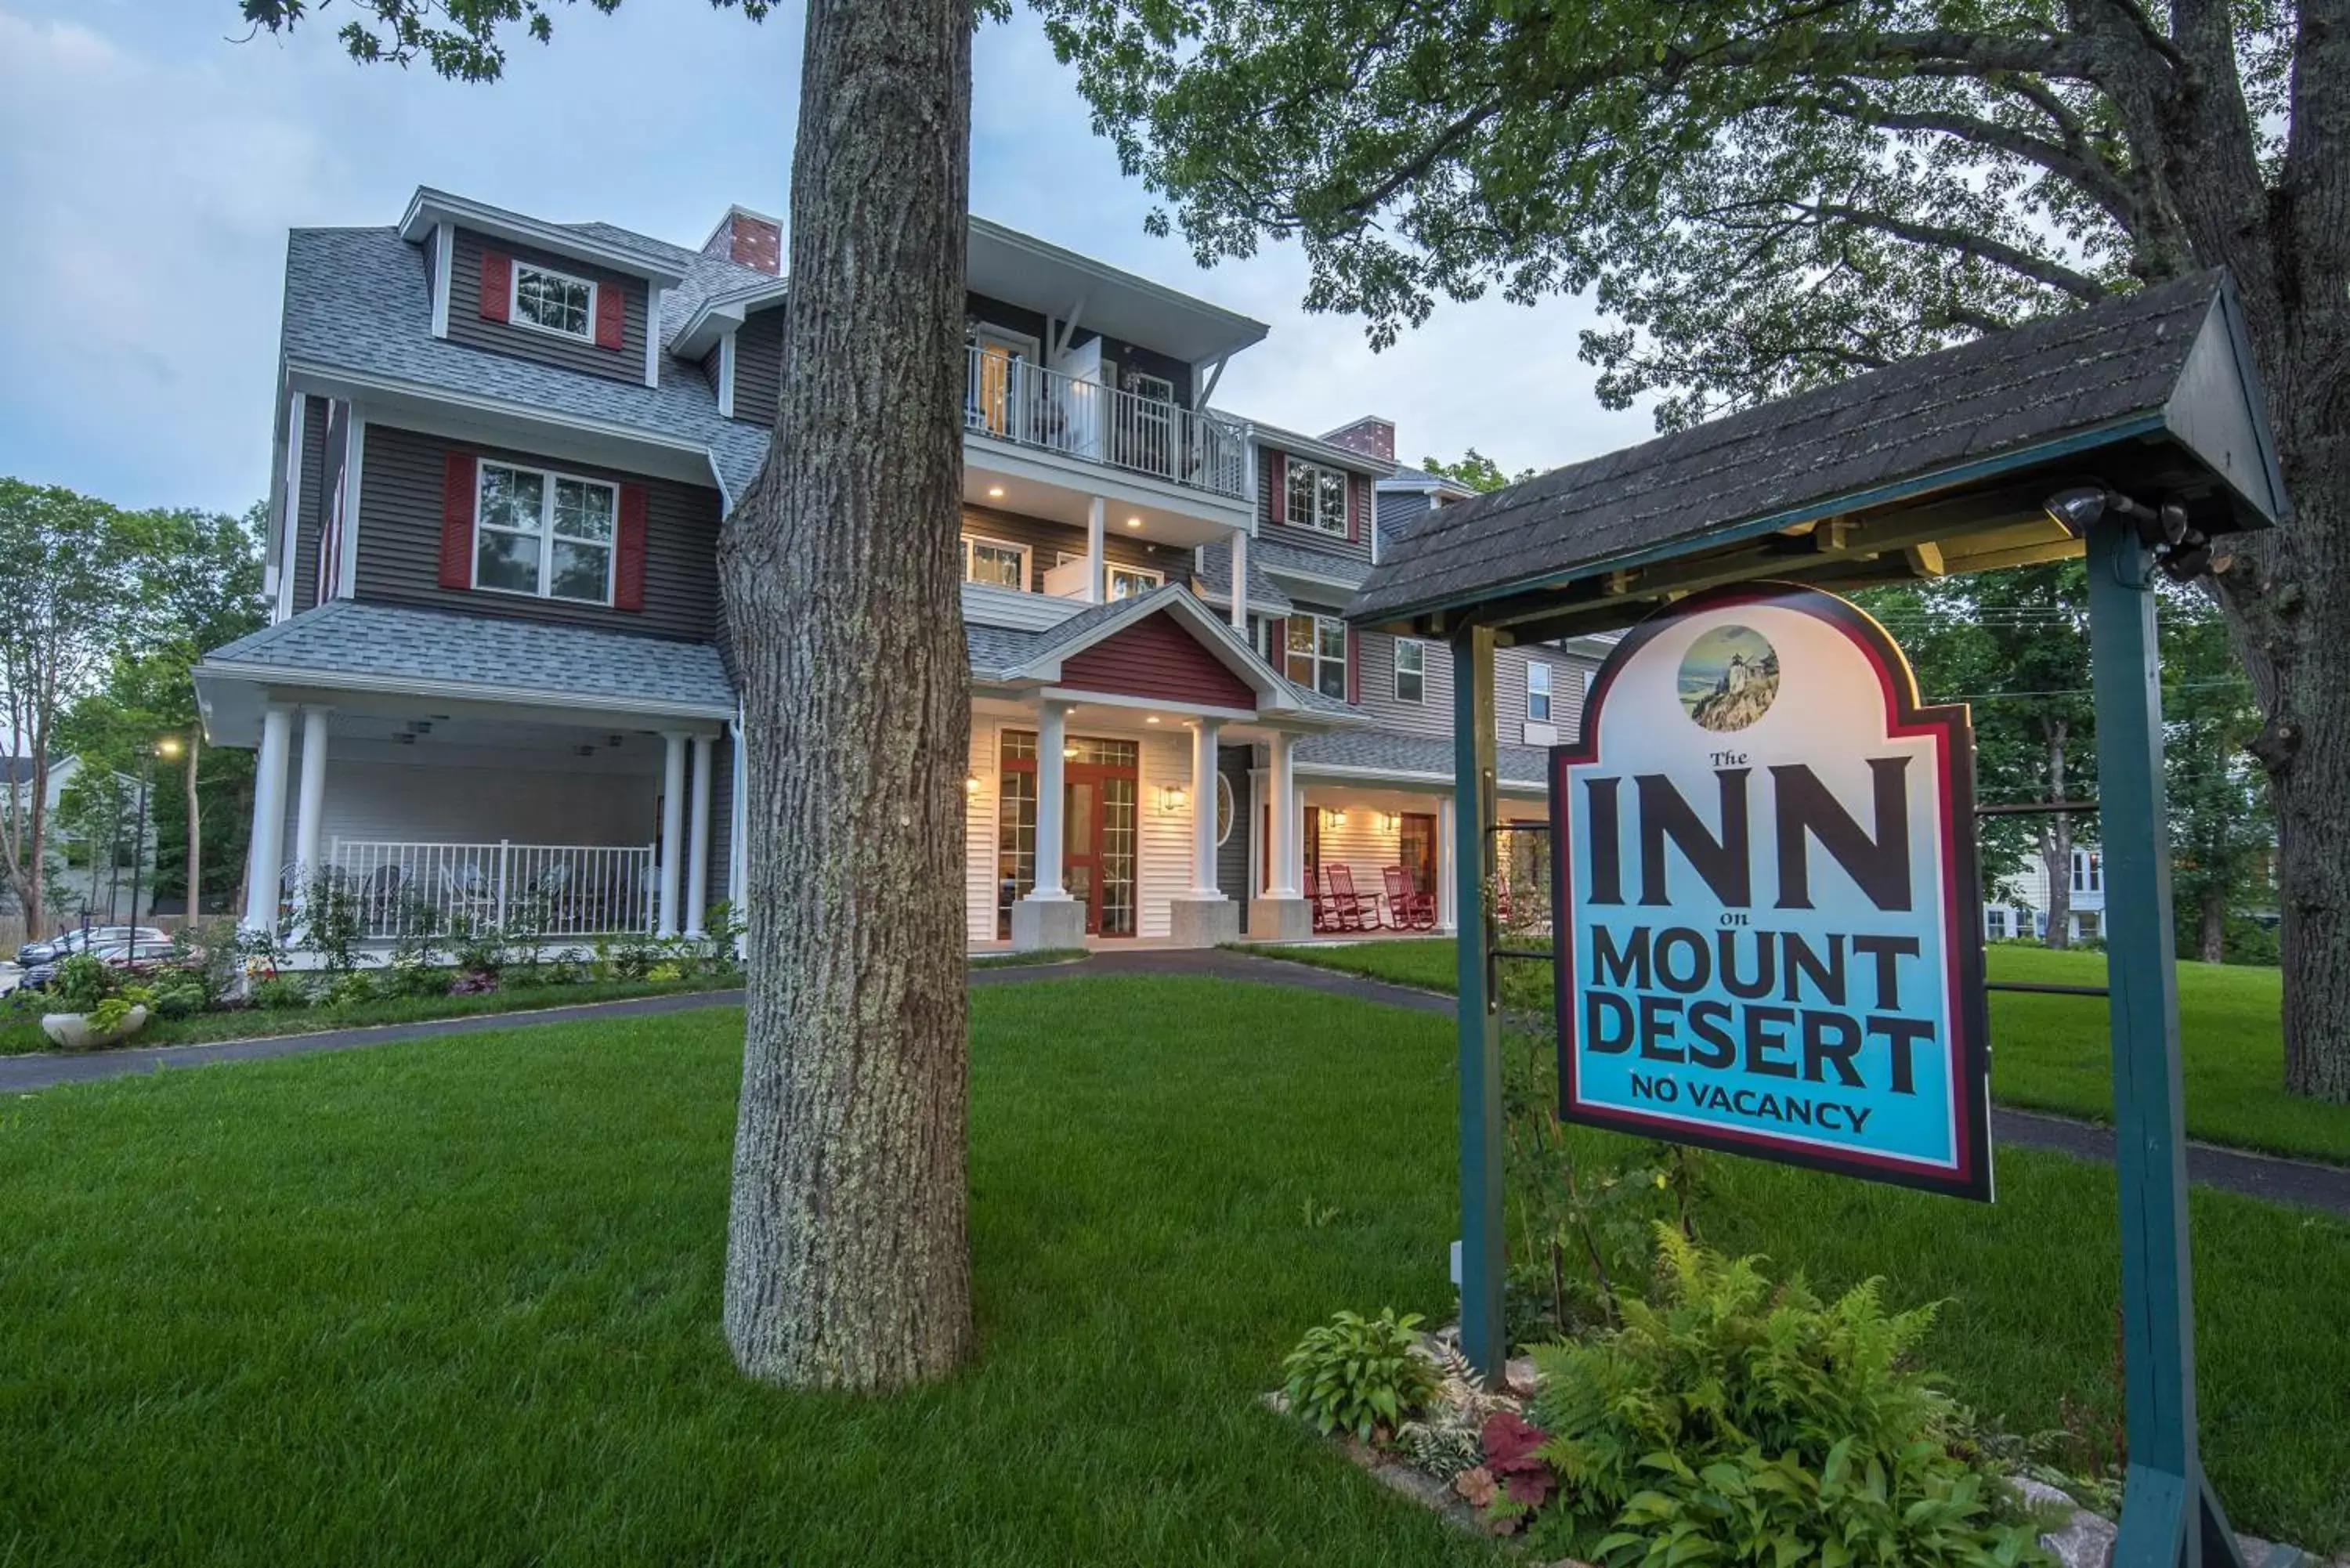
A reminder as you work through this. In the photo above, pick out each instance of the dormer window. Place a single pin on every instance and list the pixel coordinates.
(554, 302)
(1317, 497)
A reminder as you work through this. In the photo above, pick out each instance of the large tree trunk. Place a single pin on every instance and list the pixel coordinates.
(2212, 927)
(2056, 844)
(848, 1264)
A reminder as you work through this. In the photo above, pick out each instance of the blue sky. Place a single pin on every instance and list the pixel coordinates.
(154, 164)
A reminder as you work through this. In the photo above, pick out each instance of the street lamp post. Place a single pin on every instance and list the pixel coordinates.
(167, 748)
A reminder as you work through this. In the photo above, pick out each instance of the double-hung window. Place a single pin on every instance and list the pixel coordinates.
(1132, 582)
(1410, 670)
(542, 533)
(1316, 654)
(995, 563)
(554, 302)
(1538, 693)
(1317, 497)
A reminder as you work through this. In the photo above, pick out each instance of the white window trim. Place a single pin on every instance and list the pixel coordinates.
(1314, 683)
(726, 377)
(1420, 649)
(1028, 561)
(1548, 693)
(514, 302)
(444, 260)
(346, 545)
(1112, 569)
(1346, 504)
(546, 534)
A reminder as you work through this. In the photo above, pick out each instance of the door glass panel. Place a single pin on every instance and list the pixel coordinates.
(1118, 847)
(1016, 851)
(1078, 875)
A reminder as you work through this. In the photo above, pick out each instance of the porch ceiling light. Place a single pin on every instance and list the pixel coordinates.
(1134, 522)
(1153, 719)
(995, 493)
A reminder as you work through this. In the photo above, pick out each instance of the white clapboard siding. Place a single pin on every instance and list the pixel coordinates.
(1166, 870)
(982, 807)
(1364, 844)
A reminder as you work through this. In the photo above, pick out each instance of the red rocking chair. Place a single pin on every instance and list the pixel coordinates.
(1354, 912)
(1408, 911)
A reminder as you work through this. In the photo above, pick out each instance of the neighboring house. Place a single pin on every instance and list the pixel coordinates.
(495, 681)
(92, 884)
(2028, 916)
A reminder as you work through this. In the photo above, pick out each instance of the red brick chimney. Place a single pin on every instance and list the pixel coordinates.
(754, 239)
(1370, 435)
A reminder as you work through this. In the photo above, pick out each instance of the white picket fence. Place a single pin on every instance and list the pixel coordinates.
(553, 890)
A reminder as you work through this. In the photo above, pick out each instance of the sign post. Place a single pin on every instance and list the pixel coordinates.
(2170, 1515)
(1483, 1336)
(1766, 897)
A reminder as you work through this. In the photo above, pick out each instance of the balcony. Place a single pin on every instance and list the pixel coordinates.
(1014, 399)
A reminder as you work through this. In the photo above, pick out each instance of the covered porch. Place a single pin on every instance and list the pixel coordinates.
(439, 805)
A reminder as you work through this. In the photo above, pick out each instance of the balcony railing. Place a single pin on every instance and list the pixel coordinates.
(552, 889)
(1017, 400)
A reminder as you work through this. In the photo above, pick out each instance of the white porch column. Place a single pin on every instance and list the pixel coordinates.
(672, 839)
(697, 877)
(1240, 581)
(1204, 918)
(1283, 913)
(1095, 576)
(1051, 738)
(1047, 916)
(1446, 920)
(1203, 809)
(262, 865)
(309, 811)
(1284, 819)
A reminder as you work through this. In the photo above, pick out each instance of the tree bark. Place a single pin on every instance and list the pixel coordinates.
(2211, 929)
(847, 1263)
(2056, 845)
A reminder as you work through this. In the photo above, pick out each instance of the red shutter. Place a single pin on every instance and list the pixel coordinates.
(457, 493)
(1276, 637)
(1277, 479)
(1353, 666)
(497, 285)
(1358, 490)
(612, 313)
(629, 571)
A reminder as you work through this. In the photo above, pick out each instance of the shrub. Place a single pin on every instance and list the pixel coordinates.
(280, 992)
(111, 1014)
(356, 989)
(83, 982)
(206, 954)
(474, 983)
(666, 970)
(413, 980)
(331, 922)
(1730, 1422)
(184, 999)
(1357, 1374)
(478, 946)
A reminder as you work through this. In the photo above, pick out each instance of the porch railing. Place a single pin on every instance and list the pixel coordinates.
(553, 890)
(1017, 400)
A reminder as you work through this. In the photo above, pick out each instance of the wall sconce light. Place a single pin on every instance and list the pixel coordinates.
(1338, 818)
(971, 784)
(1170, 797)
(1069, 752)
(1389, 822)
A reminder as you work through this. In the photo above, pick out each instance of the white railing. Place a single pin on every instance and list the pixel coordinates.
(553, 890)
(1017, 400)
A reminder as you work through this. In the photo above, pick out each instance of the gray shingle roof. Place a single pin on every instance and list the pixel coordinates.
(1408, 757)
(2008, 393)
(1279, 554)
(376, 641)
(1215, 573)
(356, 300)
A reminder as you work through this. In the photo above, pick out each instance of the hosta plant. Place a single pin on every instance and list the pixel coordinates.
(1359, 1375)
(1732, 1421)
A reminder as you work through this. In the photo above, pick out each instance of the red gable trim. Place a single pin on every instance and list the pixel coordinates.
(1157, 657)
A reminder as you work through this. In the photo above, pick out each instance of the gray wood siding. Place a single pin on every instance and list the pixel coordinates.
(759, 367)
(399, 541)
(466, 326)
(1313, 539)
(1046, 539)
(1233, 855)
(309, 517)
(1432, 715)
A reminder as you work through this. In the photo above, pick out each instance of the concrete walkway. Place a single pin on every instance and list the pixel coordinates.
(2268, 1176)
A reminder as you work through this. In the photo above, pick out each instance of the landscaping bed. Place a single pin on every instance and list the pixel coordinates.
(2048, 1053)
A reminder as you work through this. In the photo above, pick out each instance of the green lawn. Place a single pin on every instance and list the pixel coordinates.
(20, 1028)
(456, 1301)
(2048, 1053)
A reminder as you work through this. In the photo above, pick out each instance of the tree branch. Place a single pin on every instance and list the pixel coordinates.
(2097, 181)
(1999, 253)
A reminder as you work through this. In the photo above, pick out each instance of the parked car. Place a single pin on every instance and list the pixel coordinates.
(140, 958)
(66, 943)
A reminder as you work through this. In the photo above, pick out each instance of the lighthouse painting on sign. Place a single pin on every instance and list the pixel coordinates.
(1728, 677)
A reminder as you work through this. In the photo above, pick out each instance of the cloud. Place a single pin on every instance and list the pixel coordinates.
(153, 167)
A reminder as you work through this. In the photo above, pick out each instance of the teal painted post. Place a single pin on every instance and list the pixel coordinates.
(2168, 1515)
(1482, 1338)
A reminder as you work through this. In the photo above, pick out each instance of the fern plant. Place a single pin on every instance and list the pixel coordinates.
(1356, 1375)
(1451, 1436)
(1731, 1421)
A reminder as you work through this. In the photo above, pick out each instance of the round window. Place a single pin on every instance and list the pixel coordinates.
(1223, 808)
